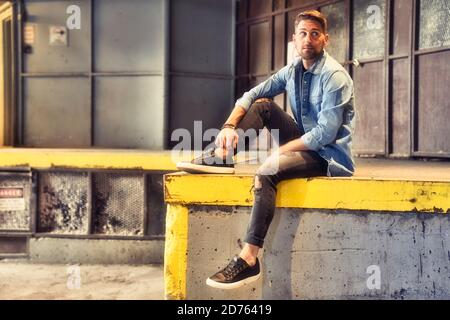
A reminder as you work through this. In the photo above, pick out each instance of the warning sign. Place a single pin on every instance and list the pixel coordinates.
(12, 199)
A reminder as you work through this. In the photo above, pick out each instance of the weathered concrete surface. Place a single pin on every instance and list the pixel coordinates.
(324, 254)
(24, 280)
(93, 251)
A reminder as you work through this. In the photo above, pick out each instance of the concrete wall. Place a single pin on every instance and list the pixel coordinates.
(324, 254)
(93, 251)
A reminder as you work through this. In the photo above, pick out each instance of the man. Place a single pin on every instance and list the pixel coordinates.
(317, 143)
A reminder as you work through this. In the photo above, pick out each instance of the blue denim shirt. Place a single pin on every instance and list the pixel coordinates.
(321, 100)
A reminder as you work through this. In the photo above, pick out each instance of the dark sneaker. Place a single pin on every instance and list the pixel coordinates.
(208, 162)
(236, 274)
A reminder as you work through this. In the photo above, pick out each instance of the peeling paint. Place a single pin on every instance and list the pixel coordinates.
(373, 195)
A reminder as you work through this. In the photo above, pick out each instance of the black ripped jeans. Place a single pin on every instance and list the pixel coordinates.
(289, 165)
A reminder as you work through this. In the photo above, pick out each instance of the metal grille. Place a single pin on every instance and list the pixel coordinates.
(369, 28)
(16, 219)
(156, 208)
(434, 31)
(63, 203)
(118, 204)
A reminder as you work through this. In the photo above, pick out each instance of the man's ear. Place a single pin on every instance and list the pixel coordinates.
(293, 37)
(327, 39)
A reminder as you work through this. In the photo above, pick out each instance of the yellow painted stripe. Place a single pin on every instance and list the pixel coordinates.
(91, 159)
(317, 193)
(175, 252)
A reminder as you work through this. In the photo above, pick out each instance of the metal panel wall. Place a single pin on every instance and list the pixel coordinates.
(128, 112)
(199, 99)
(369, 28)
(399, 102)
(370, 122)
(401, 108)
(300, 3)
(336, 14)
(259, 7)
(128, 36)
(279, 47)
(397, 42)
(201, 37)
(201, 65)
(57, 112)
(369, 47)
(121, 48)
(401, 27)
(43, 57)
(259, 38)
(433, 106)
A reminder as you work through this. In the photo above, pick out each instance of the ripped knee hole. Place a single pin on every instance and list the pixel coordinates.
(257, 183)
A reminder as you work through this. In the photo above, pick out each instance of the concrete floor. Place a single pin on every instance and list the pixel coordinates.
(22, 280)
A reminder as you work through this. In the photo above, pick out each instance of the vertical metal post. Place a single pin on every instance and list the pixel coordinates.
(233, 52)
(19, 91)
(91, 70)
(34, 201)
(90, 206)
(387, 76)
(166, 72)
(350, 34)
(146, 209)
(413, 96)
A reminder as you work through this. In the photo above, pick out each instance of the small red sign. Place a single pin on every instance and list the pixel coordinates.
(11, 193)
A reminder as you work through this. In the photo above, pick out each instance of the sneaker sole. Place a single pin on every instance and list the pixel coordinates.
(196, 168)
(234, 285)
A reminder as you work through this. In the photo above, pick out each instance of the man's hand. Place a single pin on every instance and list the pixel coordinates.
(227, 139)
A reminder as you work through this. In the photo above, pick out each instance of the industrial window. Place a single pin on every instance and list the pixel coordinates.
(434, 30)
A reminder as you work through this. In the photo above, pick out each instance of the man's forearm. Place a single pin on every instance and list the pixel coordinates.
(293, 145)
(236, 115)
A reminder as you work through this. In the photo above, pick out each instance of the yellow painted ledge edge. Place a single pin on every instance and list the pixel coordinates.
(91, 159)
(314, 193)
(175, 252)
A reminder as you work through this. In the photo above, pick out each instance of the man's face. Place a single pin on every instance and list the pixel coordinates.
(309, 39)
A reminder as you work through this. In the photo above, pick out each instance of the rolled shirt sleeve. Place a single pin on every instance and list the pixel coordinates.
(271, 87)
(337, 95)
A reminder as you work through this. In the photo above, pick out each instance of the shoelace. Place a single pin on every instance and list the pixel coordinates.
(206, 154)
(232, 269)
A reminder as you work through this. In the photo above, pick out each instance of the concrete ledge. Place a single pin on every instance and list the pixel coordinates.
(90, 251)
(314, 193)
(87, 159)
(325, 235)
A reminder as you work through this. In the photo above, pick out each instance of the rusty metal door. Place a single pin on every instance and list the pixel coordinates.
(368, 47)
(431, 78)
